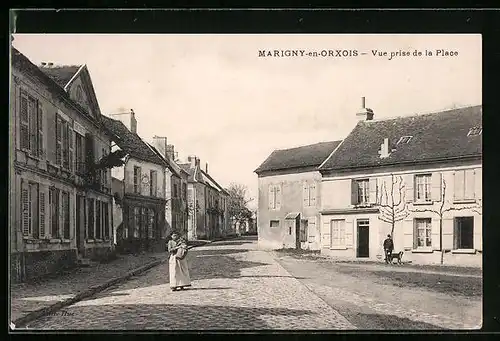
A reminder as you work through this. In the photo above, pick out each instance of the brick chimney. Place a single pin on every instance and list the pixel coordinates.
(194, 161)
(128, 119)
(170, 152)
(384, 149)
(364, 114)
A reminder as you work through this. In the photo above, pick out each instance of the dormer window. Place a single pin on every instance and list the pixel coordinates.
(475, 131)
(404, 139)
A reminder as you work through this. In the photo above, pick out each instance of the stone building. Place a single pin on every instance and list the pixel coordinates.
(176, 182)
(59, 202)
(421, 174)
(289, 197)
(141, 198)
(207, 201)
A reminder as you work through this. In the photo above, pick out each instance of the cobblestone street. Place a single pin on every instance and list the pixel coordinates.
(234, 287)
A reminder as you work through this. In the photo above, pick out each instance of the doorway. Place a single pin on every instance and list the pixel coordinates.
(297, 232)
(80, 222)
(363, 249)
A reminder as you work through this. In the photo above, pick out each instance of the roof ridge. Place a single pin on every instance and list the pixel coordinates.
(306, 145)
(421, 114)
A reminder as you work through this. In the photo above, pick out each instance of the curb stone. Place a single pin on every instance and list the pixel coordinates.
(91, 291)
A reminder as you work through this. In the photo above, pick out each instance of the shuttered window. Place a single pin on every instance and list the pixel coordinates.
(79, 152)
(54, 212)
(66, 215)
(42, 207)
(90, 219)
(105, 208)
(464, 233)
(153, 183)
(337, 233)
(31, 125)
(464, 185)
(423, 183)
(98, 220)
(59, 129)
(137, 179)
(423, 232)
(274, 197)
(25, 208)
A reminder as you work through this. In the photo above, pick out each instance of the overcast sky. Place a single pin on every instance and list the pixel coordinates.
(214, 97)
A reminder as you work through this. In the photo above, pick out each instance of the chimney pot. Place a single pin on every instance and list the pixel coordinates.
(50, 64)
(44, 63)
(206, 167)
(363, 102)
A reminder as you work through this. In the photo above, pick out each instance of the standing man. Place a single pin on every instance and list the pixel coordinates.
(388, 247)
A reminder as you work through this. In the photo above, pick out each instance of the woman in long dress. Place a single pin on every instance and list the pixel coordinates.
(178, 266)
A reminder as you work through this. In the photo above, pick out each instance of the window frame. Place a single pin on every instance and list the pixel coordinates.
(363, 190)
(457, 233)
(427, 227)
(427, 188)
(341, 244)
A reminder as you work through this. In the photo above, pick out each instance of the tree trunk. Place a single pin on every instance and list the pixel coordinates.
(441, 238)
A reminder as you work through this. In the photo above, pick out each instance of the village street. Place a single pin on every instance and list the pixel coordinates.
(235, 286)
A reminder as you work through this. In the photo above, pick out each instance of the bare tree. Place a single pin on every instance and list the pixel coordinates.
(391, 202)
(444, 207)
(237, 204)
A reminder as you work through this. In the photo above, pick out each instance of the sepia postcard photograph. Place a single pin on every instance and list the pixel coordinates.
(211, 182)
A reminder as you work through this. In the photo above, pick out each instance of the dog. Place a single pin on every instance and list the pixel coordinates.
(398, 256)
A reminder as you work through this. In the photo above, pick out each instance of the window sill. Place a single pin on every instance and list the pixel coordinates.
(464, 251)
(90, 240)
(464, 201)
(364, 205)
(65, 241)
(423, 203)
(338, 247)
(422, 251)
(54, 241)
(33, 157)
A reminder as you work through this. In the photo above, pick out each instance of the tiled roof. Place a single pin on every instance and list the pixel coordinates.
(436, 136)
(170, 164)
(61, 74)
(305, 156)
(21, 62)
(208, 179)
(129, 142)
(192, 172)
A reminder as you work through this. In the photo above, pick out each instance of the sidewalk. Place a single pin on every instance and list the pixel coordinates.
(28, 298)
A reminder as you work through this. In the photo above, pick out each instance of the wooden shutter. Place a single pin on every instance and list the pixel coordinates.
(24, 120)
(325, 233)
(305, 194)
(469, 184)
(408, 228)
(33, 120)
(25, 208)
(436, 187)
(354, 192)
(478, 233)
(153, 183)
(349, 232)
(334, 233)
(435, 233)
(42, 212)
(278, 197)
(409, 181)
(373, 190)
(89, 149)
(312, 194)
(478, 182)
(98, 220)
(458, 185)
(448, 233)
(71, 144)
(311, 229)
(58, 141)
(40, 118)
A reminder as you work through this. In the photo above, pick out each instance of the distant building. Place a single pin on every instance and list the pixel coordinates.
(290, 197)
(176, 182)
(207, 202)
(59, 202)
(434, 161)
(141, 198)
